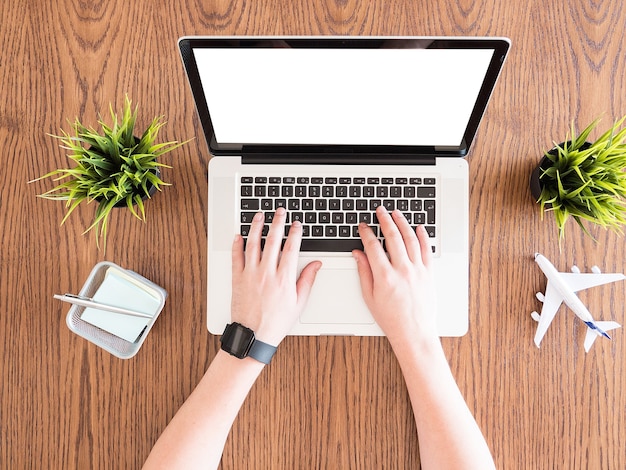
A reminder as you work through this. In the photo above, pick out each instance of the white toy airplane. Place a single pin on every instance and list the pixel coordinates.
(561, 288)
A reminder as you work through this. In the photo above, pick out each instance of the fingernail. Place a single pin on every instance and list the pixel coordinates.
(258, 216)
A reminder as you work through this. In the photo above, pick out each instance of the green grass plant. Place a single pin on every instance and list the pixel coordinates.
(112, 166)
(585, 180)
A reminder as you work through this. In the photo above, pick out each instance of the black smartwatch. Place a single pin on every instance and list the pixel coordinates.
(239, 341)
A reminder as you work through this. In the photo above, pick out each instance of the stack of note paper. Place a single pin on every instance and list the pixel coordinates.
(120, 289)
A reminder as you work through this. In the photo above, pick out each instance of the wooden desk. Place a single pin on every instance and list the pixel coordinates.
(325, 402)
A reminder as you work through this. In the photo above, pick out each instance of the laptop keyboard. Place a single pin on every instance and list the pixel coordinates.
(331, 208)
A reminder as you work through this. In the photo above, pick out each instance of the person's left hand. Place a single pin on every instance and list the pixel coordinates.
(268, 295)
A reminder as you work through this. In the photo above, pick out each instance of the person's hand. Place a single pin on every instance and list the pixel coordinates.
(399, 290)
(268, 295)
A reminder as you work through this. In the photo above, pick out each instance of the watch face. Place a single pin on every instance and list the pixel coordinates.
(237, 340)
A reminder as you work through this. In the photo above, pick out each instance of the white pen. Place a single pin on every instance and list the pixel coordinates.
(88, 302)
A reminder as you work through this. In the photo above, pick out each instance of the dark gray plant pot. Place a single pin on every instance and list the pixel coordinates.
(535, 184)
(544, 163)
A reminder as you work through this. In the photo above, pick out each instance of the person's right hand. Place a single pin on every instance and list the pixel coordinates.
(399, 290)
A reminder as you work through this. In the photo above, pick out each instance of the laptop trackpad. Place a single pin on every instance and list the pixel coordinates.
(336, 298)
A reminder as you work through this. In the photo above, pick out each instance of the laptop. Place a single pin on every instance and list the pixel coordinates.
(330, 128)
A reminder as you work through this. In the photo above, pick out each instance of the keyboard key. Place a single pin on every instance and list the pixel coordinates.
(338, 245)
(246, 179)
(323, 217)
(429, 206)
(330, 231)
(426, 191)
(374, 203)
(347, 205)
(361, 204)
(273, 191)
(250, 204)
(337, 217)
(246, 191)
(246, 217)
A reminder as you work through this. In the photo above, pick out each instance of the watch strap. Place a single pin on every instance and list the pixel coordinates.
(261, 351)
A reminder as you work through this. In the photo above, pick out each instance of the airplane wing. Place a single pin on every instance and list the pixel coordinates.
(551, 303)
(581, 281)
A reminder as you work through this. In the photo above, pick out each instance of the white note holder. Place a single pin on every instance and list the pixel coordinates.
(121, 335)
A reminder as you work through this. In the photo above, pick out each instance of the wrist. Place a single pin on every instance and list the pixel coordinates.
(420, 347)
(233, 363)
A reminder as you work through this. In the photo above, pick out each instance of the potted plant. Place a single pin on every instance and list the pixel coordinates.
(584, 180)
(114, 167)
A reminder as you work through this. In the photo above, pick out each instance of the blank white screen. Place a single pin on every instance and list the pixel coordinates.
(341, 96)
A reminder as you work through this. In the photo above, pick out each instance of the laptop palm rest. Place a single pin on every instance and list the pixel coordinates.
(332, 299)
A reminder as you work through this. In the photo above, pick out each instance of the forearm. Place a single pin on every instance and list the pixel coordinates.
(449, 437)
(196, 435)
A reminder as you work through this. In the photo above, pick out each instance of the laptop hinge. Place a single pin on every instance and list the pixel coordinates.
(327, 159)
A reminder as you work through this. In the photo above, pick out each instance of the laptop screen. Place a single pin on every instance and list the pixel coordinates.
(417, 95)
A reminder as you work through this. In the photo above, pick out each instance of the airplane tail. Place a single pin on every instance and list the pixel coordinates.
(598, 328)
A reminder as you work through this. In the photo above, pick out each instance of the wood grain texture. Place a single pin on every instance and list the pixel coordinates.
(324, 402)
